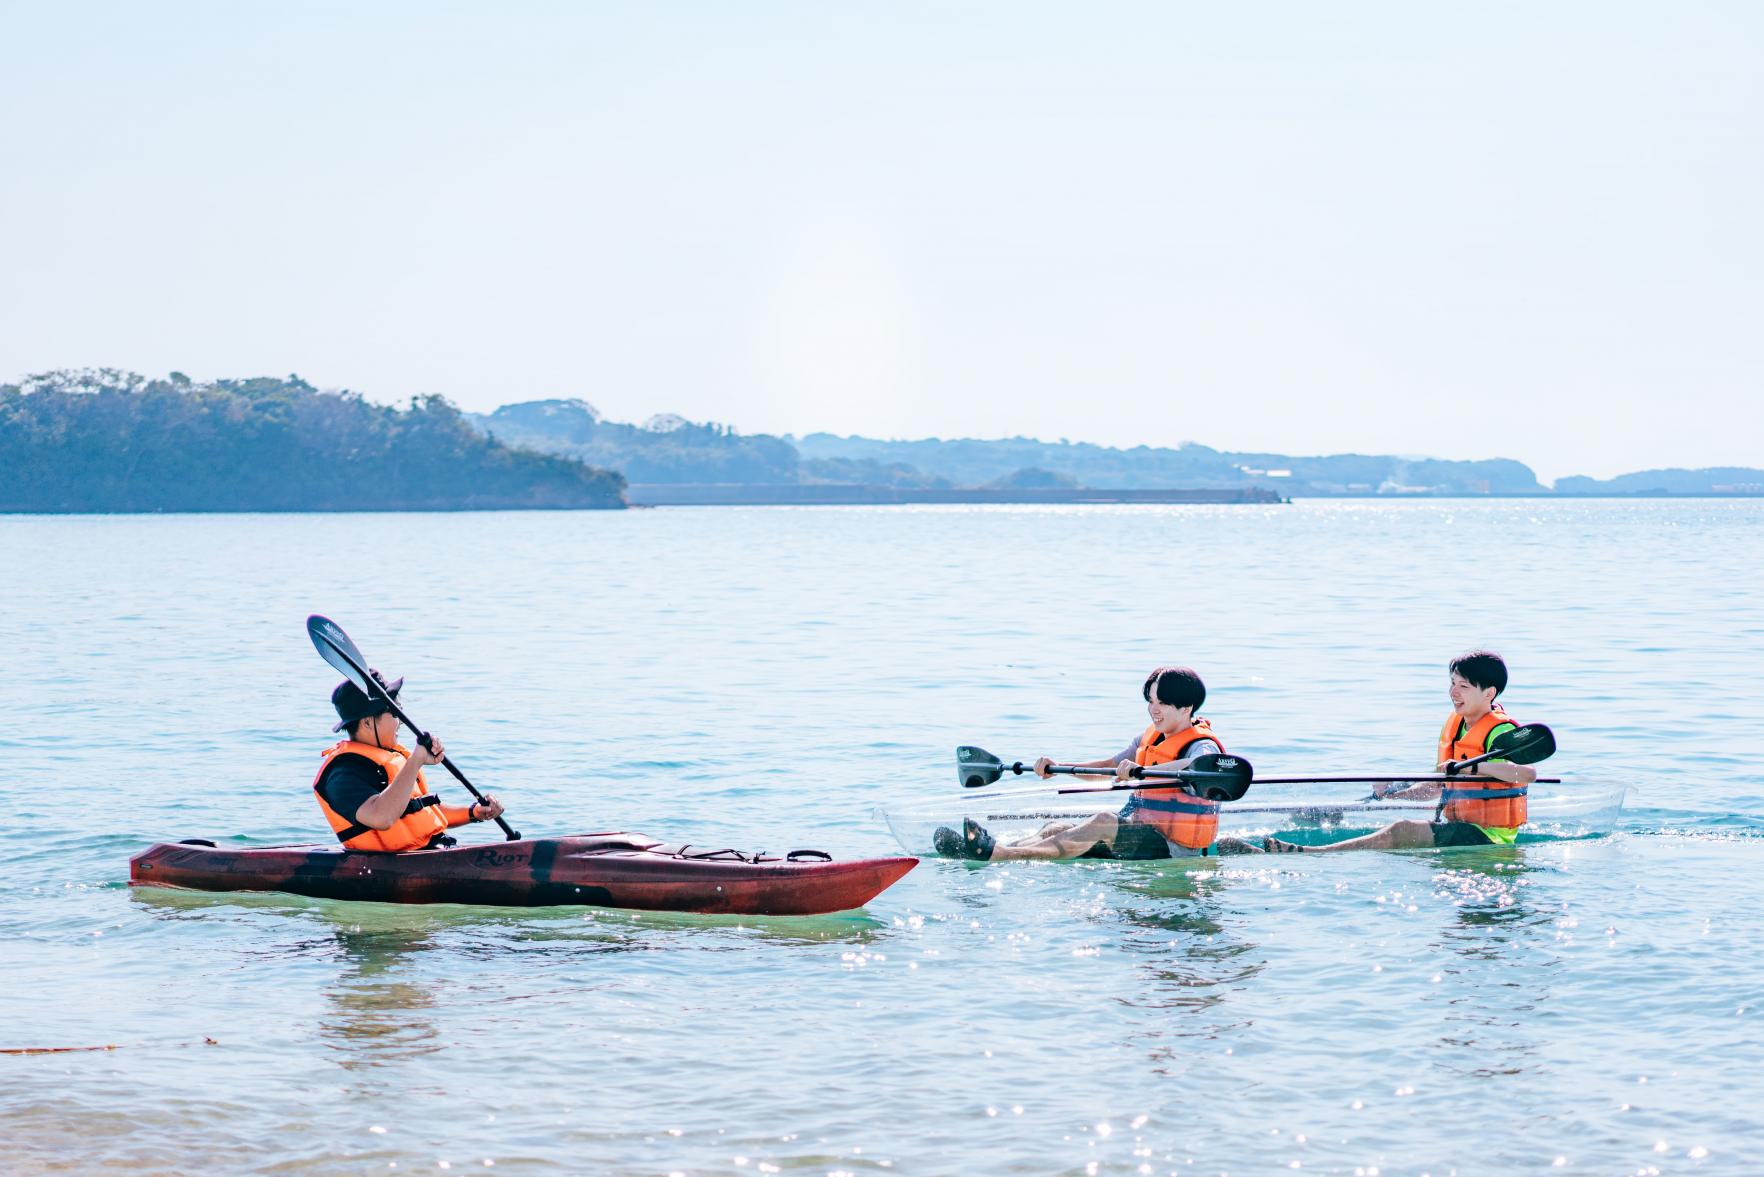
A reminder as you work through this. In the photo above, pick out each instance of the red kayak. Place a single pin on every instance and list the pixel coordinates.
(600, 870)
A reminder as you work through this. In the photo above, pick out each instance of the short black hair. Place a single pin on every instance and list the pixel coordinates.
(1482, 669)
(1177, 686)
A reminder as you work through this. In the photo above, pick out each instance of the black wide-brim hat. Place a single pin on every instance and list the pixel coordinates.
(353, 703)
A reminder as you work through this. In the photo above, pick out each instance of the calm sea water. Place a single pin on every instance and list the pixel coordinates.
(765, 678)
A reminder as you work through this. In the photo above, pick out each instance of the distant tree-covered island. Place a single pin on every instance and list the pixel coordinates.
(104, 440)
(667, 451)
(110, 441)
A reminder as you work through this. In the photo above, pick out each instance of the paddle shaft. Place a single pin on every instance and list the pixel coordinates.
(1326, 810)
(423, 739)
(1454, 767)
(1416, 779)
(1229, 807)
(1140, 771)
(362, 676)
(1323, 780)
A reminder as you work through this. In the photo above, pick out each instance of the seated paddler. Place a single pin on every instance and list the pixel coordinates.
(1471, 812)
(371, 787)
(1155, 822)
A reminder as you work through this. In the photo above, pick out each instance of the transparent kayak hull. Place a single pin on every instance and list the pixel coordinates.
(1313, 814)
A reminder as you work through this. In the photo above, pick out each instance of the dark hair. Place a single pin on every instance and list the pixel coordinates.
(1177, 686)
(1482, 669)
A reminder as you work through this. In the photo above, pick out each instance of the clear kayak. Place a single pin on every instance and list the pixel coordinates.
(1313, 814)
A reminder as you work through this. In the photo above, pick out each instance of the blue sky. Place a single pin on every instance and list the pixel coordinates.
(1527, 230)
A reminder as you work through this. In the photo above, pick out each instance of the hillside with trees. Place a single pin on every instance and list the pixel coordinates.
(105, 440)
(972, 462)
(668, 450)
(1716, 480)
(111, 441)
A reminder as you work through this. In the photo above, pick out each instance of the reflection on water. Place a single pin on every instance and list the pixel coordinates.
(376, 1017)
(1486, 885)
(587, 928)
(1193, 959)
(1486, 1017)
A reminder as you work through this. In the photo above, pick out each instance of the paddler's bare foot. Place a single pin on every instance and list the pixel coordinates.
(1276, 846)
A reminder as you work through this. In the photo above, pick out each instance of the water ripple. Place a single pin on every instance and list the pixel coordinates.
(1335, 1014)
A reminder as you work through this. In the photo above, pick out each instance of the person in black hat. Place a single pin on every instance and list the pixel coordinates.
(371, 787)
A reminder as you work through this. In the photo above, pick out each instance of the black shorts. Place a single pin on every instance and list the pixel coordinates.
(1133, 840)
(1459, 833)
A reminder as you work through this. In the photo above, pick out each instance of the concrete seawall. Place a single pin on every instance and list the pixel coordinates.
(689, 495)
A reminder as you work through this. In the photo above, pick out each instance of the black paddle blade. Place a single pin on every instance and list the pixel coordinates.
(335, 647)
(1213, 777)
(1525, 745)
(976, 767)
(1228, 777)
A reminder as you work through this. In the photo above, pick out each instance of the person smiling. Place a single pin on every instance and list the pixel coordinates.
(1156, 822)
(371, 787)
(1471, 813)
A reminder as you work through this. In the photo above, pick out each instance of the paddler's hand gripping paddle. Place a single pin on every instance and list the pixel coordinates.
(335, 647)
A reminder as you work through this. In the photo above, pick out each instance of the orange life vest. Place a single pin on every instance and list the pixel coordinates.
(422, 819)
(1495, 804)
(1180, 816)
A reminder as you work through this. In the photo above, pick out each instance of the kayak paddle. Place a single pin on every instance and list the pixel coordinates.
(1213, 776)
(1522, 745)
(335, 647)
(1413, 778)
